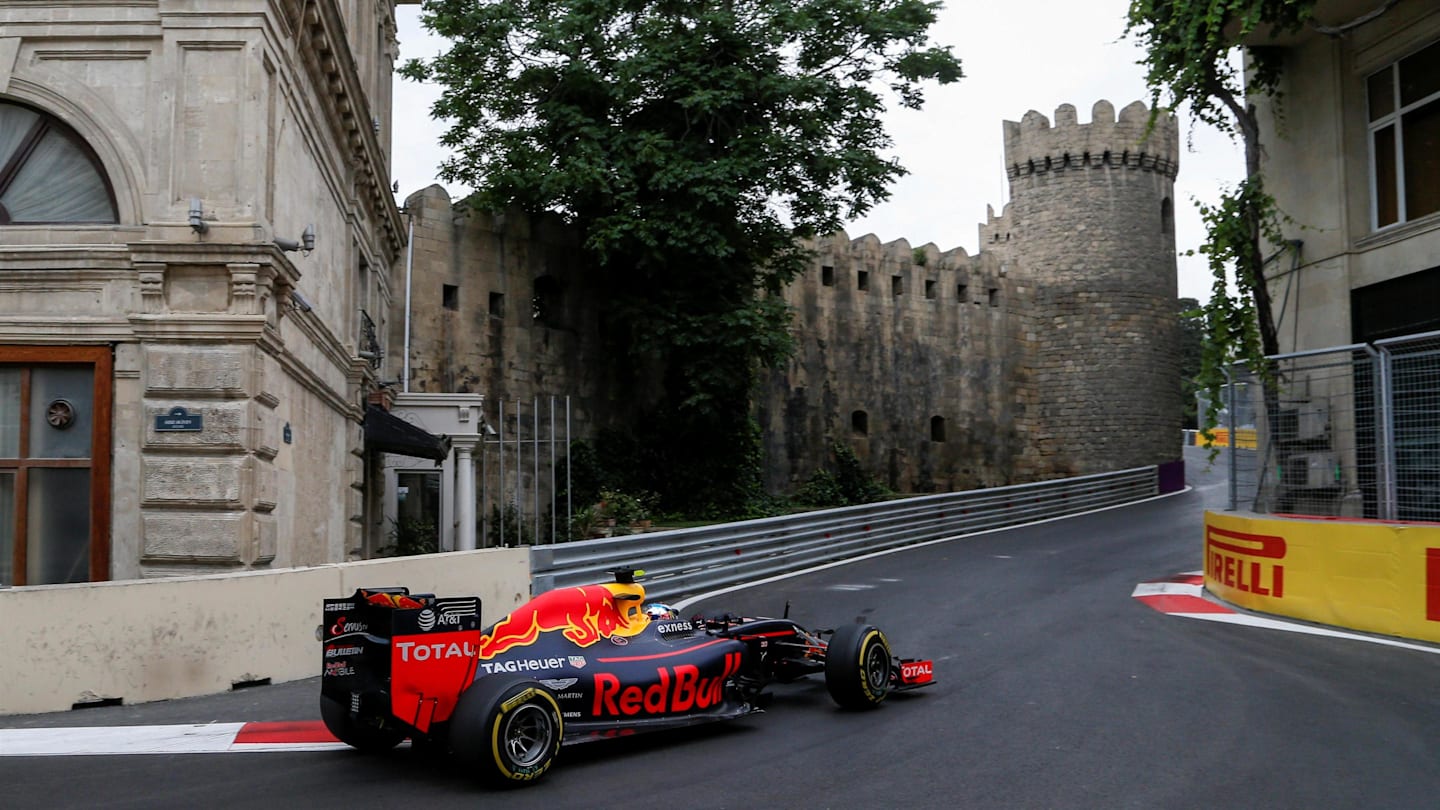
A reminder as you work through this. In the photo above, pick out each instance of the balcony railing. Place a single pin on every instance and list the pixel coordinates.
(370, 341)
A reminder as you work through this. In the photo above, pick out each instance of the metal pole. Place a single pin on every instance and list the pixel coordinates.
(519, 483)
(569, 502)
(409, 265)
(1230, 408)
(535, 450)
(1389, 501)
(501, 446)
(484, 486)
(554, 518)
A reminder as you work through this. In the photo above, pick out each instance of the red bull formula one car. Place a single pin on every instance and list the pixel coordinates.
(570, 665)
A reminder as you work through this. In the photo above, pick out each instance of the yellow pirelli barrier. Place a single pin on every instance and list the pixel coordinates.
(1363, 575)
(1244, 438)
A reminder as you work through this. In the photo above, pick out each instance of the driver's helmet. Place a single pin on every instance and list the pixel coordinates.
(657, 611)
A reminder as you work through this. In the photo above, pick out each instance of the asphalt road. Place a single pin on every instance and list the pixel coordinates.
(1056, 690)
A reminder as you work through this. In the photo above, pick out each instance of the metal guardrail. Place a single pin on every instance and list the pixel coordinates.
(684, 562)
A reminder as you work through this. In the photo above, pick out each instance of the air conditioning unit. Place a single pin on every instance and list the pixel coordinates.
(1310, 471)
(1302, 421)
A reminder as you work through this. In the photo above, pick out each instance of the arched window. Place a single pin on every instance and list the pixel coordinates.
(1167, 217)
(48, 174)
(860, 423)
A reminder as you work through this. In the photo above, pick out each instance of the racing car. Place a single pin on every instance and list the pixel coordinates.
(569, 666)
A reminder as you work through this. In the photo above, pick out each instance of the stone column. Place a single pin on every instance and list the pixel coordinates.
(465, 491)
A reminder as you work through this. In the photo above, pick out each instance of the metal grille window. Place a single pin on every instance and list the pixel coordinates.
(1404, 116)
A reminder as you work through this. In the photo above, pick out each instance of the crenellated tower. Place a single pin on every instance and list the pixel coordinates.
(1093, 206)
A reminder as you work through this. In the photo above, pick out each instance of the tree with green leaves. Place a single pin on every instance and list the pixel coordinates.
(1188, 47)
(693, 144)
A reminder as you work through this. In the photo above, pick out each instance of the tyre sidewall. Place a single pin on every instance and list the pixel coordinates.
(480, 720)
(846, 675)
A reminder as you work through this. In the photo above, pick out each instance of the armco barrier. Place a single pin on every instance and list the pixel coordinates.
(136, 641)
(1373, 576)
(689, 561)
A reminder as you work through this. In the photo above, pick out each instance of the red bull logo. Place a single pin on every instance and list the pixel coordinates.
(584, 615)
(676, 689)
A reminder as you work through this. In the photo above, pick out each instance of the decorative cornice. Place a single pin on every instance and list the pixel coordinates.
(204, 327)
(48, 331)
(320, 41)
(234, 253)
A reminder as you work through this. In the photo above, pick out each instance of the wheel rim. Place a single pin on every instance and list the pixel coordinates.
(877, 667)
(529, 734)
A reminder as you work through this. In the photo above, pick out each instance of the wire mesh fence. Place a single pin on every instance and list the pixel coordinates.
(1350, 431)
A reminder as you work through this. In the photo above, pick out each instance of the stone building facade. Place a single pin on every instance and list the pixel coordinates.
(1349, 155)
(1050, 352)
(196, 228)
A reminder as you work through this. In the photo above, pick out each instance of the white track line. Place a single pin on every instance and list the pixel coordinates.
(1215, 611)
(208, 738)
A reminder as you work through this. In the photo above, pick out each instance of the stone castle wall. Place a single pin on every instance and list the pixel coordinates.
(1050, 352)
(498, 307)
(907, 363)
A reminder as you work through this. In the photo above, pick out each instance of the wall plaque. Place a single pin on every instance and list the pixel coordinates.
(179, 419)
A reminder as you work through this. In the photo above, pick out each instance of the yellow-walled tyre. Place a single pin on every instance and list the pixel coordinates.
(508, 729)
(857, 667)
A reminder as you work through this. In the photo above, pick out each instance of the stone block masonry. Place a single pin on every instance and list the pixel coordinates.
(1050, 352)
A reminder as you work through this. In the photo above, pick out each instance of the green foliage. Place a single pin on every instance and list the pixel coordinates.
(1232, 323)
(822, 488)
(664, 124)
(1187, 61)
(410, 537)
(919, 257)
(1187, 47)
(624, 508)
(517, 530)
(586, 475)
(847, 484)
(692, 144)
(857, 484)
(677, 469)
(585, 523)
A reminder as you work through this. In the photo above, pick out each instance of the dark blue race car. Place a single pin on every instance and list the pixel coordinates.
(571, 665)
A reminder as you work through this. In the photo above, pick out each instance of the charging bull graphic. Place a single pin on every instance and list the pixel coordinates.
(398, 665)
(584, 615)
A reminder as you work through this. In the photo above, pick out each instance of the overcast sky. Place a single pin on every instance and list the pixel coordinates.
(1018, 55)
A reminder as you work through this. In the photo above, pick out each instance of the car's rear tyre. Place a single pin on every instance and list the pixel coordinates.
(857, 666)
(508, 728)
(369, 739)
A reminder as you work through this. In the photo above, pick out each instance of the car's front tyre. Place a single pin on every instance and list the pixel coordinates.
(508, 728)
(858, 666)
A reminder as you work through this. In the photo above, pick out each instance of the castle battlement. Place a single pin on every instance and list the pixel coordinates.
(1034, 146)
(996, 231)
(897, 252)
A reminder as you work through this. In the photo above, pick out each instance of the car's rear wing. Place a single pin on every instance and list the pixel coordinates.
(389, 653)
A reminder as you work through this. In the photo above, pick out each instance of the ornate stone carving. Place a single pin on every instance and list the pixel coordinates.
(152, 287)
